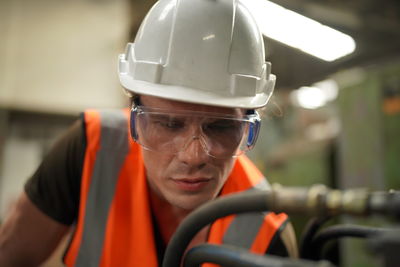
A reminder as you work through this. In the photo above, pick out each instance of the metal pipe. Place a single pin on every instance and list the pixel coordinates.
(318, 200)
(224, 255)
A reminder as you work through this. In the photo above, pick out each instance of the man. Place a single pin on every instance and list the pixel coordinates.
(196, 76)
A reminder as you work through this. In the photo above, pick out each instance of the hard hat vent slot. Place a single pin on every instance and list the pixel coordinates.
(148, 71)
(243, 85)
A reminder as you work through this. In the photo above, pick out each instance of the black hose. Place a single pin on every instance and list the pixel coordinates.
(236, 257)
(208, 213)
(311, 228)
(224, 256)
(339, 231)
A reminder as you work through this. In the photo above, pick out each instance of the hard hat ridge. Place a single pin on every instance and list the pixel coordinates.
(199, 51)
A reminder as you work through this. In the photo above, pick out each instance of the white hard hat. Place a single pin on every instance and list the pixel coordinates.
(200, 51)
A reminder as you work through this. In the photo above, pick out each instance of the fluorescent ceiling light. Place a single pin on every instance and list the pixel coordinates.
(308, 97)
(300, 32)
(315, 96)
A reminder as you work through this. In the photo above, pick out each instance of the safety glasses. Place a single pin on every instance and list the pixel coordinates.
(220, 135)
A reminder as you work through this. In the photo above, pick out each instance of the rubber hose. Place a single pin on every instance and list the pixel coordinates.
(339, 231)
(208, 213)
(236, 257)
(311, 228)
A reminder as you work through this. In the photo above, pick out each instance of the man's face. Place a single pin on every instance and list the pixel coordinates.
(190, 177)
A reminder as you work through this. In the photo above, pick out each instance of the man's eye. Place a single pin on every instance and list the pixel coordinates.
(170, 124)
(222, 125)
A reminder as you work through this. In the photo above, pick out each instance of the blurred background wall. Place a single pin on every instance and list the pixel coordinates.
(58, 58)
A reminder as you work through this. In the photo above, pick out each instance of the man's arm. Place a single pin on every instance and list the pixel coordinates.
(28, 236)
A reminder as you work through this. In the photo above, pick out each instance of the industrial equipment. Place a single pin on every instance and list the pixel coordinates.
(317, 201)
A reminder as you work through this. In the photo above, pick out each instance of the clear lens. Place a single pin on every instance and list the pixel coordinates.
(221, 135)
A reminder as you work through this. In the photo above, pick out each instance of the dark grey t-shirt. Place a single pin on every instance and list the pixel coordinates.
(55, 186)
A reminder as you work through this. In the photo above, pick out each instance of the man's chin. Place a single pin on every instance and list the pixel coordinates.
(189, 204)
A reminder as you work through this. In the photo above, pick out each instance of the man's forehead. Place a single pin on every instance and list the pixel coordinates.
(173, 105)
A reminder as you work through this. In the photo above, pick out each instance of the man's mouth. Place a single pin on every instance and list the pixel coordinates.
(192, 184)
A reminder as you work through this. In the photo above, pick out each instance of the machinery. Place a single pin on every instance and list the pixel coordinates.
(317, 201)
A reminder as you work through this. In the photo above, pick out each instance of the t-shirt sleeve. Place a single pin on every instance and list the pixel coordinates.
(55, 186)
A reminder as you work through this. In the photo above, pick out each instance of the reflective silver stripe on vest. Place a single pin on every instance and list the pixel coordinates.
(113, 149)
(244, 227)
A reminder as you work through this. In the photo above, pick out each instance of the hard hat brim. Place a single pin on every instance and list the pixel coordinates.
(191, 95)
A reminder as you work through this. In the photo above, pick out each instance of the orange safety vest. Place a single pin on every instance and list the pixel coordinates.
(115, 226)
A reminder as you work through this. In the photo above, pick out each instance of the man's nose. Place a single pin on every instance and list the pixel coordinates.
(194, 152)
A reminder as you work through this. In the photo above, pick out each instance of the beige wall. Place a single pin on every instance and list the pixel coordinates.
(61, 56)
